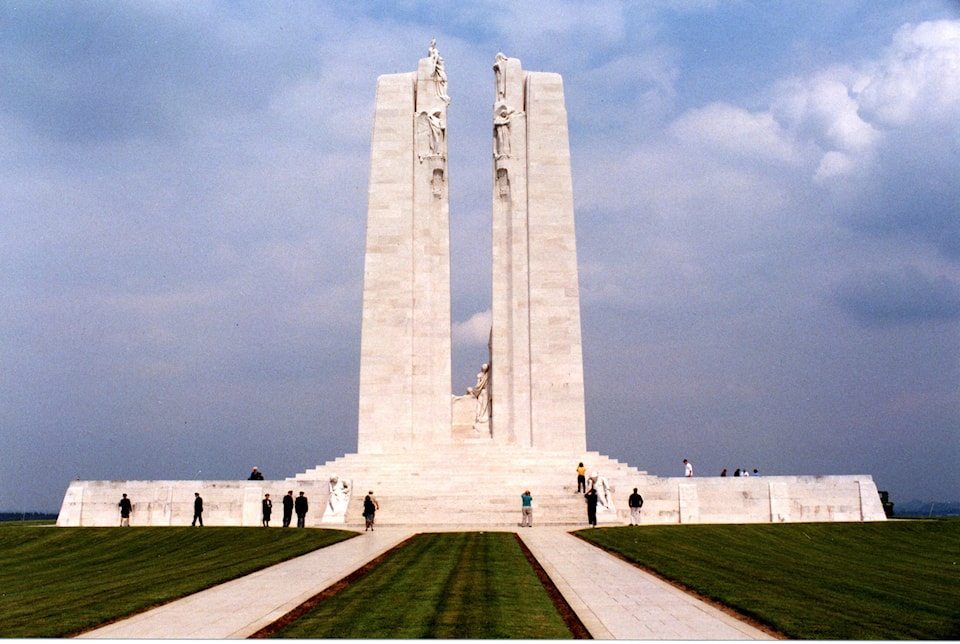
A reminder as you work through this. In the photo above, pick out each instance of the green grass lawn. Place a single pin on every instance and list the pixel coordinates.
(58, 581)
(873, 581)
(466, 585)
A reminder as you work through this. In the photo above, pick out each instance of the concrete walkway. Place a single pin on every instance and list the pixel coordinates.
(241, 607)
(613, 599)
(616, 600)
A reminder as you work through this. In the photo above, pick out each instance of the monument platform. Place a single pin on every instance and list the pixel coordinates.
(480, 484)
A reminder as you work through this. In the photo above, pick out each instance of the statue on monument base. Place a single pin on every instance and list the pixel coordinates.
(604, 492)
(481, 392)
(337, 501)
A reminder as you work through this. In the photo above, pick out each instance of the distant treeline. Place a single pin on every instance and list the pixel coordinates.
(26, 516)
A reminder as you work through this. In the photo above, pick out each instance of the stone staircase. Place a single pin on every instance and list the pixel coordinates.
(475, 483)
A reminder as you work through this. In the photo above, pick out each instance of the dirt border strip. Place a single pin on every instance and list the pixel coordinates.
(570, 618)
(723, 608)
(325, 594)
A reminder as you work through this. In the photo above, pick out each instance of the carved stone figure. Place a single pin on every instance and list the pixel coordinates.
(482, 394)
(437, 131)
(502, 113)
(431, 134)
(604, 492)
(500, 70)
(439, 72)
(503, 183)
(338, 499)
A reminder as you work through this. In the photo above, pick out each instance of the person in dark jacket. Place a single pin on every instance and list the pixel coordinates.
(591, 497)
(267, 510)
(287, 508)
(197, 509)
(635, 502)
(301, 507)
(125, 509)
(255, 475)
(370, 507)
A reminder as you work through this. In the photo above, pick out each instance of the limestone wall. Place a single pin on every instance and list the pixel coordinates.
(170, 503)
(476, 485)
(773, 499)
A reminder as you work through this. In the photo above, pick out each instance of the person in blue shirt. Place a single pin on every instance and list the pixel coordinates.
(527, 509)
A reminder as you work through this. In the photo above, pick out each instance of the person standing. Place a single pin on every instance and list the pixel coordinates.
(126, 508)
(267, 510)
(635, 502)
(287, 508)
(687, 468)
(256, 475)
(197, 509)
(591, 497)
(301, 506)
(581, 478)
(526, 500)
(370, 507)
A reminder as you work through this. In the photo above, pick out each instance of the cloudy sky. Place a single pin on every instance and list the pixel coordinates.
(768, 221)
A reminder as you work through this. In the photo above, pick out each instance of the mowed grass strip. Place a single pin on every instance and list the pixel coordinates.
(464, 585)
(59, 581)
(838, 581)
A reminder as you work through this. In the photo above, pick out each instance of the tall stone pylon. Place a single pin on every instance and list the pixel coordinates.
(405, 356)
(536, 356)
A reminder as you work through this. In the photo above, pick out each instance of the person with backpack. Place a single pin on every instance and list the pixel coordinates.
(370, 507)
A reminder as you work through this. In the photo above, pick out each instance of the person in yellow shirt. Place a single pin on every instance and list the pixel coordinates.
(581, 478)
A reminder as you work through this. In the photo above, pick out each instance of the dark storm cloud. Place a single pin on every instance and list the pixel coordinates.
(907, 296)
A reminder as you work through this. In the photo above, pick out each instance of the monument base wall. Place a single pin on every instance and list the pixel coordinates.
(479, 484)
(170, 503)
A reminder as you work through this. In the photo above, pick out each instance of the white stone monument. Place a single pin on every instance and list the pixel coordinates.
(434, 458)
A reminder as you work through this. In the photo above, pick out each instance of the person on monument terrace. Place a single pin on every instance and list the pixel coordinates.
(526, 500)
(635, 502)
(197, 509)
(301, 507)
(287, 508)
(687, 468)
(370, 507)
(591, 497)
(125, 509)
(256, 475)
(581, 478)
(267, 506)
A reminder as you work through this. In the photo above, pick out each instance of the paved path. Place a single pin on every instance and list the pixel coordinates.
(241, 607)
(616, 600)
(613, 599)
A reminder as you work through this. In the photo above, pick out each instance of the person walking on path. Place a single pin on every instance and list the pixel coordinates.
(635, 502)
(126, 508)
(370, 507)
(197, 509)
(287, 508)
(581, 478)
(591, 497)
(687, 468)
(526, 500)
(301, 506)
(267, 510)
